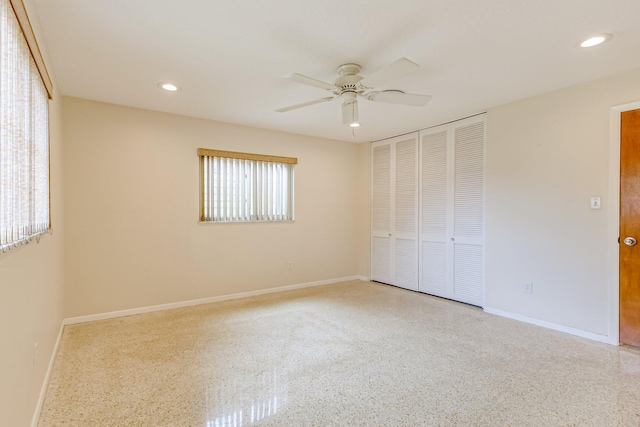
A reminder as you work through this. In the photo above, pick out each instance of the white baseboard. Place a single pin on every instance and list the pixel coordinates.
(556, 327)
(141, 310)
(45, 382)
(363, 278)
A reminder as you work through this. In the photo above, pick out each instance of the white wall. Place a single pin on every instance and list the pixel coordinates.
(546, 157)
(132, 206)
(31, 302)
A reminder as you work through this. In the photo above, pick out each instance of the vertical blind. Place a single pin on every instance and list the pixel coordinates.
(24, 138)
(245, 189)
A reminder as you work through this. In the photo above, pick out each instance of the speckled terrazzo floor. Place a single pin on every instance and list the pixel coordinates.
(349, 354)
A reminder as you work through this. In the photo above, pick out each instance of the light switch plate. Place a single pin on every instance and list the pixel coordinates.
(595, 203)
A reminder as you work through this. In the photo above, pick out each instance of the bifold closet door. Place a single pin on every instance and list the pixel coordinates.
(452, 211)
(394, 239)
(435, 207)
(381, 213)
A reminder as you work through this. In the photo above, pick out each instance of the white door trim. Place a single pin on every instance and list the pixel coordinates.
(613, 226)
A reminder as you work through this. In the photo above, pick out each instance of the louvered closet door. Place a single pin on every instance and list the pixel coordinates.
(405, 233)
(468, 213)
(435, 233)
(381, 213)
(452, 211)
(394, 237)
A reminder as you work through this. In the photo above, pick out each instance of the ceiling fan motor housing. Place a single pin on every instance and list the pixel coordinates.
(348, 84)
(348, 80)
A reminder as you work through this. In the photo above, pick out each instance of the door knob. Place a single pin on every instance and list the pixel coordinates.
(629, 241)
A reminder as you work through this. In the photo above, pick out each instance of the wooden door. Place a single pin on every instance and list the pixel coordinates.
(630, 228)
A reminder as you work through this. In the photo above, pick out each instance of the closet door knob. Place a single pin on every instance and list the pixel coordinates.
(630, 241)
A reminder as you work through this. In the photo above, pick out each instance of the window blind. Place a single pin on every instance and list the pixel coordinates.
(24, 138)
(245, 189)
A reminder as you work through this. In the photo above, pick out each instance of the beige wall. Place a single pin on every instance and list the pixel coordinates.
(32, 293)
(364, 214)
(131, 206)
(546, 157)
(31, 302)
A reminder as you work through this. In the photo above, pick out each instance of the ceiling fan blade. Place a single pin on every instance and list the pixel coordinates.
(350, 112)
(399, 68)
(397, 97)
(309, 81)
(304, 104)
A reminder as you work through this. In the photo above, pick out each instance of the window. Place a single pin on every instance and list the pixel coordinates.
(25, 89)
(243, 187)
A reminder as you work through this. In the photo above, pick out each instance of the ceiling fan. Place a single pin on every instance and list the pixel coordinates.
(350, 85)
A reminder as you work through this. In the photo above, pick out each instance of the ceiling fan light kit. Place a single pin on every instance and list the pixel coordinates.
(350, 109)
(349, 86)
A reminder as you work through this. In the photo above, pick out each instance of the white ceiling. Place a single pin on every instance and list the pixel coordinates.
(228, 55)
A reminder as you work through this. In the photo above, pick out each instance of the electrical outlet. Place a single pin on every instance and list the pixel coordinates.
(35, 353)
(290, 265)
(528, 288)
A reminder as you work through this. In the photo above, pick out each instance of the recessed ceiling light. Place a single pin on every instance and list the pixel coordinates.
(168, 87)
(595, 40)
(354, 125)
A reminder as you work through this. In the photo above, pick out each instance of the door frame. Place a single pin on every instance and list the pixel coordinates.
(613, 226)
